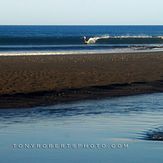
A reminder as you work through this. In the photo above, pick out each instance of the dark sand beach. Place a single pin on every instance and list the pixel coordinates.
(27, 81)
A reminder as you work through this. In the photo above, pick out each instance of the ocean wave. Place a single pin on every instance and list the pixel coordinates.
(131, 49)
(137, 37)
(78, 40)
(93, 40)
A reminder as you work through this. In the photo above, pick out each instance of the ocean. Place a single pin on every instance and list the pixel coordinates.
(70, 39)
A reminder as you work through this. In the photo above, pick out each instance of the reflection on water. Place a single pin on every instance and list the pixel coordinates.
(113, 120)
(154, 134)
(121, 105)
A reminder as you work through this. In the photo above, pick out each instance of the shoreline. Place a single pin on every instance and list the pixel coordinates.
(36, 99)
(77, 52)
(28, 81)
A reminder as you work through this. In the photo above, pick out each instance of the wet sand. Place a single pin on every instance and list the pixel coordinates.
(27, 81)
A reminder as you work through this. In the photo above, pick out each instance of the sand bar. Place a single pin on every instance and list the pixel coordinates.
(27, 81)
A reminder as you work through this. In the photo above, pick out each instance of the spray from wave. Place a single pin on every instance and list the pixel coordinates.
(124, 39)
(93, 40)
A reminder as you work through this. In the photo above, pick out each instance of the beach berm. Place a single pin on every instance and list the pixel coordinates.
(87, 74)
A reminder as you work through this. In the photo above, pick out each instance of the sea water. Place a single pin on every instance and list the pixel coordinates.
(109, 130)
(70, 39)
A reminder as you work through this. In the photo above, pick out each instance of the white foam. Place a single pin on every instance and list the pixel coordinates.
(161, 37)
(92, 40)
(77, 52)
(128, 36)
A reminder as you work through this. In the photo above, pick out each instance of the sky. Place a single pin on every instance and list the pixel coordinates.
(81, 12)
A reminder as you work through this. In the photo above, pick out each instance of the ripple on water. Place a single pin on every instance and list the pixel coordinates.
(154, 134)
